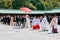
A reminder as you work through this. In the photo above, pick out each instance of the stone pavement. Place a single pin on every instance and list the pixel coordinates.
(7, 33)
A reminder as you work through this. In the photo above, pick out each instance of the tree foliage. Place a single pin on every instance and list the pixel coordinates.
(32, 4)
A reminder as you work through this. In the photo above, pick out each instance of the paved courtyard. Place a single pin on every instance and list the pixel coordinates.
(8, 33)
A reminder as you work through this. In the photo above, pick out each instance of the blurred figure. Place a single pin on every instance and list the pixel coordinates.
(27, 22)
(59, 20)
(38, 22)
(35, 23)
(41, 17)
(53, 24)
(7, 19)
(17, 20)
(44, 24)
(49, 18)
(14, 20)
(20, 20)
(4, 20)
(23, 22)
(0, 19)
(11, 21)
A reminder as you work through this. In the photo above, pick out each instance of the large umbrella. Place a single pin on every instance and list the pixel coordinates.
(25, 9)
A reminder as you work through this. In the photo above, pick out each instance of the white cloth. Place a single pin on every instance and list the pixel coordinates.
(44, 24)
(28, 22)
(38, 21)
(34, 22)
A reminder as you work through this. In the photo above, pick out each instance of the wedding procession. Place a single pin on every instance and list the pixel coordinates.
(29, 19)
(41, 22)
(36, 26)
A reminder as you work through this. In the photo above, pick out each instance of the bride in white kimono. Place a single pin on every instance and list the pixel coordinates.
(44, 24)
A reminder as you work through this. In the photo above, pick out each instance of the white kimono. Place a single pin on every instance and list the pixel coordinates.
(44, 24)
(34, 22)
(38, 21)
(28, 23)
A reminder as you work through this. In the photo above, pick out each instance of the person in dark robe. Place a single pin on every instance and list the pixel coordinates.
(7, 19)
(20, 20)
(17, 20)
(14, 20)
(59, 20)
(49, 18)
(3, 20)
(23, 22)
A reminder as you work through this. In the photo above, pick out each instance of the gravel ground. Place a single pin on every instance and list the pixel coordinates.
(8, 33)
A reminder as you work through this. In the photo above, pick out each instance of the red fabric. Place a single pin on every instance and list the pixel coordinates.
(36, 27)
(25, 9)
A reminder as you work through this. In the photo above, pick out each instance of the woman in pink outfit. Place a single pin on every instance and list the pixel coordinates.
(53, 24)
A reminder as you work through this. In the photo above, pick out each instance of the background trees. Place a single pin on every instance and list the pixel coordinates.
(32, 4)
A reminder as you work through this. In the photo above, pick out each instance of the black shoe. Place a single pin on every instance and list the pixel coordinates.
(46, 30)
(55, 32)
(43, 30)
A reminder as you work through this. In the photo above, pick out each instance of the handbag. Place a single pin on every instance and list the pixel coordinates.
(54, 30)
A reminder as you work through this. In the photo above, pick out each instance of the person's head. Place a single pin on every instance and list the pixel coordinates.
(41, 17)
(34, 16)
(27, 16)
(17, 15)
(37, 17)
(45, 16)
(55, 16)
(23, 16)
(49, 16)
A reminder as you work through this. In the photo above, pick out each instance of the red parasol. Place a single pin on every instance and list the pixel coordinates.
(25, 9)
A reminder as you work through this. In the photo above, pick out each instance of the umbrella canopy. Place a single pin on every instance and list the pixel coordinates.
(25, 9)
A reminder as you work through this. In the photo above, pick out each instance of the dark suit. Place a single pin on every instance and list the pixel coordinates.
(49, 19)
(7, 19)
(23, 22)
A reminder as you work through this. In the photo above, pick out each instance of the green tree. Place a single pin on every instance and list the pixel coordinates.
(8, 4)
(32, 4)
(1, 4)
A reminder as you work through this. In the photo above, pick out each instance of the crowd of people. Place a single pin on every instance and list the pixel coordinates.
(35, 22)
